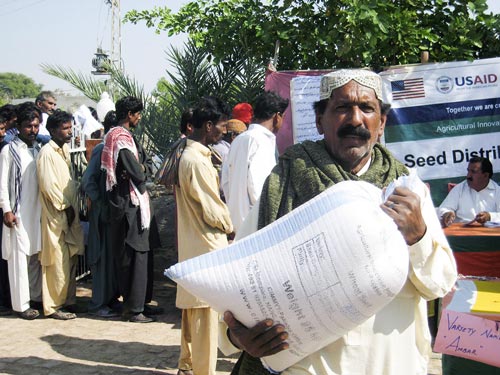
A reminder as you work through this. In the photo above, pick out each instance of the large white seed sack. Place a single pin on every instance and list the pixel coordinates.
(321, 270)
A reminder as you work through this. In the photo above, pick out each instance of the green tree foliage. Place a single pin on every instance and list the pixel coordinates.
(234, 79)
(318, 34)
(18, 86)
(195, 75)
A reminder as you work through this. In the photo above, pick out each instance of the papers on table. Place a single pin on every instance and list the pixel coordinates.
(492, 224)
(476, 296)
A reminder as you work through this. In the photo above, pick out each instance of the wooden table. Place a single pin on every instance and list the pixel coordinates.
(477, 253)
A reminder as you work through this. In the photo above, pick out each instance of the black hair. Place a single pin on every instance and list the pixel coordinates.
(267, 104)
(109, 121)
(58, 118)
(320, 106)
(93, 112)
(212, 109)
(486, 166)
(127, 104)
(27, 111)
(186, 118)
(8, 111)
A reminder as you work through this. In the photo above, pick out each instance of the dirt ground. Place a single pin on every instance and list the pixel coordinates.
(89, 345)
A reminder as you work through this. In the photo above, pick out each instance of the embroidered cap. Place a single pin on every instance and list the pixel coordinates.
(236, 126)
(339, 78)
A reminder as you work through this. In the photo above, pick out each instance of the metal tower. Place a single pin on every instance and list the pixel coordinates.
(116, 36)
(102, 60)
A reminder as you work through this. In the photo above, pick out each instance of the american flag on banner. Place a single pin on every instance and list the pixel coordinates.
(408, 89)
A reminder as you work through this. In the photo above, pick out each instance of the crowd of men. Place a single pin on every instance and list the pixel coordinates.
(42, 235)
(228, 182)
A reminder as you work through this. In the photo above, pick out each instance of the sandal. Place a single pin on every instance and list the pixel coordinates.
(140, 318)
(61, 315)
(29, 314)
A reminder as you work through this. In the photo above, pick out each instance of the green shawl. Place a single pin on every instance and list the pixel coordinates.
(307, 169)
(304, 171)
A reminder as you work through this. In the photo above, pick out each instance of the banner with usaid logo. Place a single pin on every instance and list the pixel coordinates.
(442, 115)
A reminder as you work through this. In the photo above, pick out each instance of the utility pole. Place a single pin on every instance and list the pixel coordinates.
(116, 35)
(101, 60)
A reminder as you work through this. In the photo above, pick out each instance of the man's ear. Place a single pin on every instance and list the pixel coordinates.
(208, 125)
(319, 126)
(383, 120)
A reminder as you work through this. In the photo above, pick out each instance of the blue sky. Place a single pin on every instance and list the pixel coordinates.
(68, 32)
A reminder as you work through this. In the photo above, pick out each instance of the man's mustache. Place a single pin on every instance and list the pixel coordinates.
(356, 131)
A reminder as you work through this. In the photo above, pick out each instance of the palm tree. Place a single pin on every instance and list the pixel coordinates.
(194, 75)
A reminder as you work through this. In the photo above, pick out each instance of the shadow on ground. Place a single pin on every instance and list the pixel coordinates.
(132, 354)
(42, 366)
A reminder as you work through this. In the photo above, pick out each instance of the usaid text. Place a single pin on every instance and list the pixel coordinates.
(453, 156)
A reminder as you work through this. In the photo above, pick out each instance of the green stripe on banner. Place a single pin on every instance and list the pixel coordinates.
(472, 244)
(442, 129)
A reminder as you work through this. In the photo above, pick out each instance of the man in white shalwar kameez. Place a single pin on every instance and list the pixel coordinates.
(21, 206)
(351, 115)
(252, 156)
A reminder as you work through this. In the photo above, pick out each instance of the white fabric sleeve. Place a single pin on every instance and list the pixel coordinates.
(5, 161)
(261, 163)
(433, 270)
(450, 203)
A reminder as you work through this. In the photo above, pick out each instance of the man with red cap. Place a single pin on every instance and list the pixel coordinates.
(243, 112)
(252, 156)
